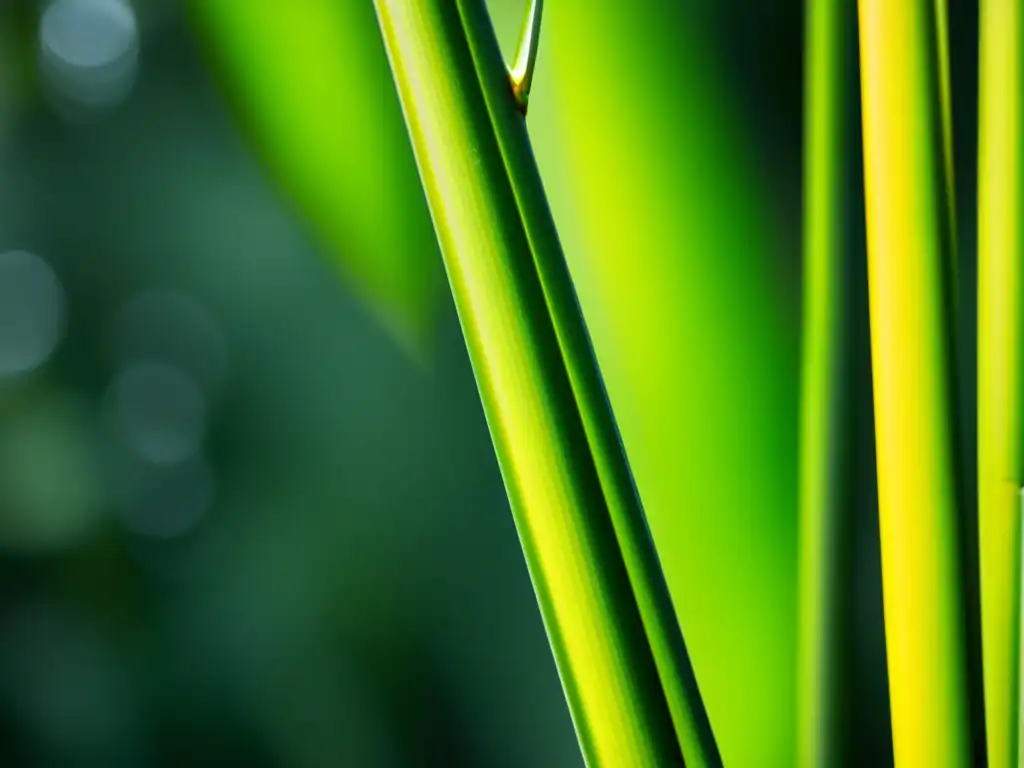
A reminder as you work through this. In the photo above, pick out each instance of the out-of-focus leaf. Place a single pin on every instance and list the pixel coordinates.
(312, 88)
(669, 232)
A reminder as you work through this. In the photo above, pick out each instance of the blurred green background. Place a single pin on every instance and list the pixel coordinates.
(249, 511)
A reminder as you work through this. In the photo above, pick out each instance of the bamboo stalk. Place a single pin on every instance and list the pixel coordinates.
(621, 657)
(910, 297)
(1000, 316)
(1020, 635)
(823, 420)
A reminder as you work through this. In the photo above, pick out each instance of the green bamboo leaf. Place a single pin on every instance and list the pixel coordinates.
(1000, 375)
(623, 664)
(906, 166)
(311, 87)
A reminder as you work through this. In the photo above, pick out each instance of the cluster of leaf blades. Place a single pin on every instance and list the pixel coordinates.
(911, 261)
(557, 443)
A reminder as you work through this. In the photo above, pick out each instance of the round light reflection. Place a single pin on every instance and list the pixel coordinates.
(88, 54)
(173, 327)
(32, 312)
(164, 502)
(159, 411)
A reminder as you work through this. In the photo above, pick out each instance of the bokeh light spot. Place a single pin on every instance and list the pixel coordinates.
(32, 312)
(159, 411)
(88, 54)
(172, 327)
(164, 502)
(50, 492)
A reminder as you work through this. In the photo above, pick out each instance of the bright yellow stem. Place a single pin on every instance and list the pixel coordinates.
(909, 278)
(1000, 241)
